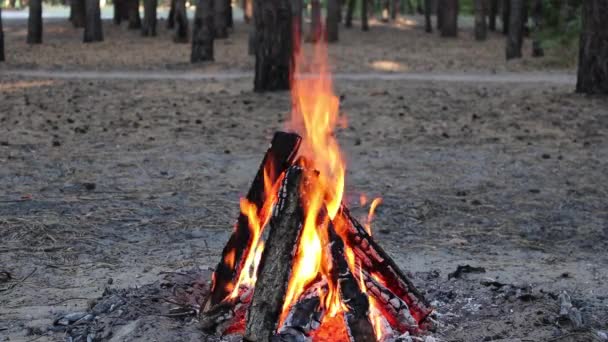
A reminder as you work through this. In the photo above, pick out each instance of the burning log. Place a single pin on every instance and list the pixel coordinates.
(372, 257)
(277, 259)
(278, 158)
(228, 316)
(359, 327)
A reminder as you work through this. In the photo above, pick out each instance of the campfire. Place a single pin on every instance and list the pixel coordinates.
(299, 266)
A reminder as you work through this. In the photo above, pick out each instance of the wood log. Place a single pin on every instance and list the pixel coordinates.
(359, 327)
(304, 317)
(371, 256)
(278, 157)
(229, 315)
(277, 259)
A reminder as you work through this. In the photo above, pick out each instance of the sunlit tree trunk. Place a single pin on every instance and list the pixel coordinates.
(149, 26)
(364, 14)
(171, 15)
(537, 18)
(480, 20)
(332, 23)
(428, 9)
(77, 13)
(2, 57)
(315, 21)
(93, 31)
(449, 18)
(515, 35)
(181, 22)
(247, 10)
(593, 53)
(134, 17)
(34, 23)
(350, 9)
(219, 19)
(202, 32)
(273, 48)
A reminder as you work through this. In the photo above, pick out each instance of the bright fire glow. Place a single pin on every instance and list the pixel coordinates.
(370, 215)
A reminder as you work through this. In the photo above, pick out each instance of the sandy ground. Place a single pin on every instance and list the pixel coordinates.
(105, 184)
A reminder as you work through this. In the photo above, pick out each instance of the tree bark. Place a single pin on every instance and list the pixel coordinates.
(77, 13)
(219, 19)
(134, 17)
(149, 26)
(364, 14)
(247, 10)
(515, 37)
(93, 31)
(171, 15)
(229, 14)
(395, 4)
(449, 18)
(480, 20)
(2, 57)
(34, 23)
(181, 21)
(315, 22)
(297, 6)
(332, 23)
(593, 53)
(493, 12)
(506, 16)
(202, 32)
(350, 8)
(428, 9)
(273, 48)
(537, 18)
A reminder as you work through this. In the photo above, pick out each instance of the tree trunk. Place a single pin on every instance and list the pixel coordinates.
(219, 19)
(364, 20)
(333, 8)
(149, 27)
(449, 18)
(506, 16)
(202, 32)
(350, 9)
(593, 54)
(439, 13)
(492, 14)
(395, 4)
(229, 14)
(181, 20)
(34, 23)
(77, 13)
(93, 31)
(428, 9)
(297, 6)
(315, 22)
(2, 57)
(385, 10)
(248, 10)
(515, 37)
(134, 18)
(480, 20)
(537, 18)
(171, 15)
(273, 48)
(12, 3)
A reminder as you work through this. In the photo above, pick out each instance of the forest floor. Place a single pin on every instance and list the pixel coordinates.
(107, 184)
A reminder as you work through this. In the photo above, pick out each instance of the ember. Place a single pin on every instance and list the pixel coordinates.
(319, 275)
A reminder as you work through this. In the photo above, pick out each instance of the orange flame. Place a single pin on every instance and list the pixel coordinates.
(370, 215)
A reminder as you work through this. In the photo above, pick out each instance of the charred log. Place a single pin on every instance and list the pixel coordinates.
(229, 316)
(278, 158)
(277, 259)
(304, 317)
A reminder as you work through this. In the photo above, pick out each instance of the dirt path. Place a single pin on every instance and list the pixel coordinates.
(545, 77)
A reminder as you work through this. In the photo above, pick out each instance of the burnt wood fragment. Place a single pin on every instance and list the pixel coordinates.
(304, 316)
(278, 158)
(277, 259)
(226, 316)
(359, 327)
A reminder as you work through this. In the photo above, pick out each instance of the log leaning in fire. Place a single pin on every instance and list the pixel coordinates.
(373, 258)
(277, 260)
(281, 153)
(359, 327)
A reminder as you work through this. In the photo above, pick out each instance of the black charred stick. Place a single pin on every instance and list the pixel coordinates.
(225, 315)
(372, 257)
(359, 327)
(278, 158)
(277, 259)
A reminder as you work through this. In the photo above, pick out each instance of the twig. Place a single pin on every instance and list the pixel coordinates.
(12, 286)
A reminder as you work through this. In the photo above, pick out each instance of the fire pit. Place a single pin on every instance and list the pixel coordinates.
(299, 266)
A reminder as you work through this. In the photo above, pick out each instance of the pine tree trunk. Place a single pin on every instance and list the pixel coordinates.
(2, 57)
(493, 12)
(93, 31)
(395, 8)
(593, 53)
(34, 22)
(248, 10)
(428, 9)
(219, 19)
(134, 17)
(315, 22)
(506, 16)
(515, 37)
(297, 6)
(364, 14)
(537, 19)
(171, 15)
(449, 18)
(149, 27)
(332, 24)
(439, 13)
(77, 13)
(273, 48)
(229, 14)
(480, 20)
(350, 9)
(181, 21)
(202, 32)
